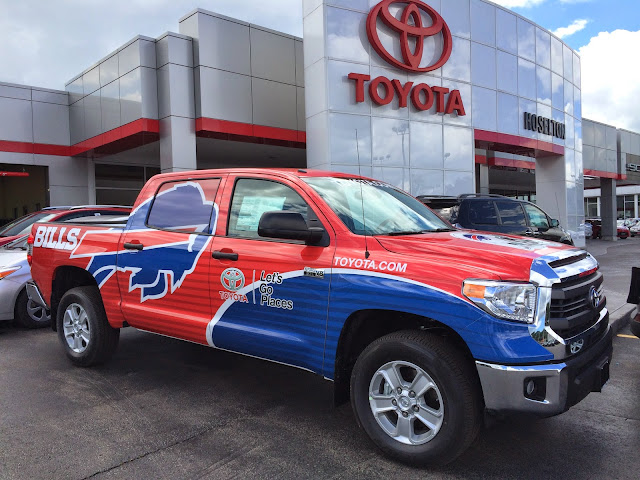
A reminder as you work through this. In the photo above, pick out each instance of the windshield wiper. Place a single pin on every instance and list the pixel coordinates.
(409, 232)
(446, 229)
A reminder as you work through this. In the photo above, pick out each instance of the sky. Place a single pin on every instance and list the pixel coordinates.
(45, 43)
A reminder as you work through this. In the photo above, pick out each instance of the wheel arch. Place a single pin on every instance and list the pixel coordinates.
(64, 279)
(364, 326)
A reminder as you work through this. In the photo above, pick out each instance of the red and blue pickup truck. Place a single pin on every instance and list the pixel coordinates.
(421, 325)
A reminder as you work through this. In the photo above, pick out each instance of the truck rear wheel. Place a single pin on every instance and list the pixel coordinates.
(83, 329)
(417, 398)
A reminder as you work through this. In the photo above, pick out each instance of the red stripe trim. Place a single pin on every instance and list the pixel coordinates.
(537, 146)
(14, 174)
(601, 174)
(141, 126)
(212, 125)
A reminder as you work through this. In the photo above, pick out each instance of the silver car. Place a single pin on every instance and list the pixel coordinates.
(15, 272)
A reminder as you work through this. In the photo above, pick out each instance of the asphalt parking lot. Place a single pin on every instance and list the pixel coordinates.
(163, 408)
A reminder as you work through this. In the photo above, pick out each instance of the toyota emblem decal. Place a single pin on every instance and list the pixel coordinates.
(410, 29)
(232, 279)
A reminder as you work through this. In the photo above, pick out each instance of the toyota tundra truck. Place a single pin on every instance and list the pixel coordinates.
(422, 326)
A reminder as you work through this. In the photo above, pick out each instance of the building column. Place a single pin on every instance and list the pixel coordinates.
(609, 209)
(176, 103)
(483, 178)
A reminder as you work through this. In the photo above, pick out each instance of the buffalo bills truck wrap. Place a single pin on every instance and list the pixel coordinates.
(424, 326)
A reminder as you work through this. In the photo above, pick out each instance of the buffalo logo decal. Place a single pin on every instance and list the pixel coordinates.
(160, 267)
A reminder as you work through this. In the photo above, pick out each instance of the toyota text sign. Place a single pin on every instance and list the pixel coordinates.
(412, 28)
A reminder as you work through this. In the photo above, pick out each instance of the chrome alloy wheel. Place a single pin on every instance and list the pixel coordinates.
(76, 328)
(36, 312)
(406, 403)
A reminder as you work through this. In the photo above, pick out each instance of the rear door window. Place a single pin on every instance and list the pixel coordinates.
(483, 212)
(185, 206)
(511, 213)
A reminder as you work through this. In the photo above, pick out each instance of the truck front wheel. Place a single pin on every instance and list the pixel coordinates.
(417, 398)
(83, 329)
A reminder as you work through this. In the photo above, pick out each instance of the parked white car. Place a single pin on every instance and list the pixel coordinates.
(15, 272)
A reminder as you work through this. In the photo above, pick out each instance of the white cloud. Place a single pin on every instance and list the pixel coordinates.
(610, 87)
(519, 3)
(575, 26)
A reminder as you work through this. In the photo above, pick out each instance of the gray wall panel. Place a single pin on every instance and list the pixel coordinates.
(129, 58)
(299, 64)
(61, 98)
(50, 123)
(300, 109)
(175, 91)
(173, 49)
(147, 53)
(108, 70)
(217, 51)
(92, 115)
(110, 106)
(224, 95)
(76, 90)
(15, 92)
(91, 81)
(274, 104)
(76, 122)
(130, 97)
(16, 120)
(149, 84)
(273, 57)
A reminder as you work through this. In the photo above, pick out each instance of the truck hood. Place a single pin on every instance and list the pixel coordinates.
(507, 256)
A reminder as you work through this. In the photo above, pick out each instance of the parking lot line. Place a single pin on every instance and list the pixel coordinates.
(628, 336)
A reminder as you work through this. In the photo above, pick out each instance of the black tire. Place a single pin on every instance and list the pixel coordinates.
(455, 379)
(27, 314)
(96, 339)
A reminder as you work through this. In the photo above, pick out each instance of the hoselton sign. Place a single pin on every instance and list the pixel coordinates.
(411, 32)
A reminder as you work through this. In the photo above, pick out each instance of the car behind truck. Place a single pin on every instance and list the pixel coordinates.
(421, 325)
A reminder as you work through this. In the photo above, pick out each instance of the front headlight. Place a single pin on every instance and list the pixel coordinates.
(508, 300)
(5, 272)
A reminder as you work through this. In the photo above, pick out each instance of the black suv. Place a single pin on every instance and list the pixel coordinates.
(495, 213)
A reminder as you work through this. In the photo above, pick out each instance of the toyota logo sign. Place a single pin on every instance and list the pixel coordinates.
(410, 28)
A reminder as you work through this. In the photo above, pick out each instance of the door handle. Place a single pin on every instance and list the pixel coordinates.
(224, 255)
(133, 246)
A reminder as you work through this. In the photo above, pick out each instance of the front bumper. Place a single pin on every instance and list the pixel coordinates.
(558, 386)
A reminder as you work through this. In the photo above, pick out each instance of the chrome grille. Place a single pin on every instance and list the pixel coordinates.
(571, 310)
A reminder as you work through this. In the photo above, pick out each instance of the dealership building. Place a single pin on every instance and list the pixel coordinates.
(436, 97)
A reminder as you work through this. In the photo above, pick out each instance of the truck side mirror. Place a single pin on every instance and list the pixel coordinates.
(555, 223)
(288, 226)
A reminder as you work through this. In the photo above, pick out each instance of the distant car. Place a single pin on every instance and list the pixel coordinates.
(635, 230)
(622, 231)
(22, 225)
(15, 272)
(496, 213)
(588, 230)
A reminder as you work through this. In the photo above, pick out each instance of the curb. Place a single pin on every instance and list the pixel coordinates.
(621, 317)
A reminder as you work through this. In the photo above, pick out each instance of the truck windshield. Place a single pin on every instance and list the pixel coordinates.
(387, 210)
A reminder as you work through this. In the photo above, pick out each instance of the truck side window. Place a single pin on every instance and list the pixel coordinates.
(185, 206)
(511, 213)
(537, 218)
(483, 213)
(253, 197)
